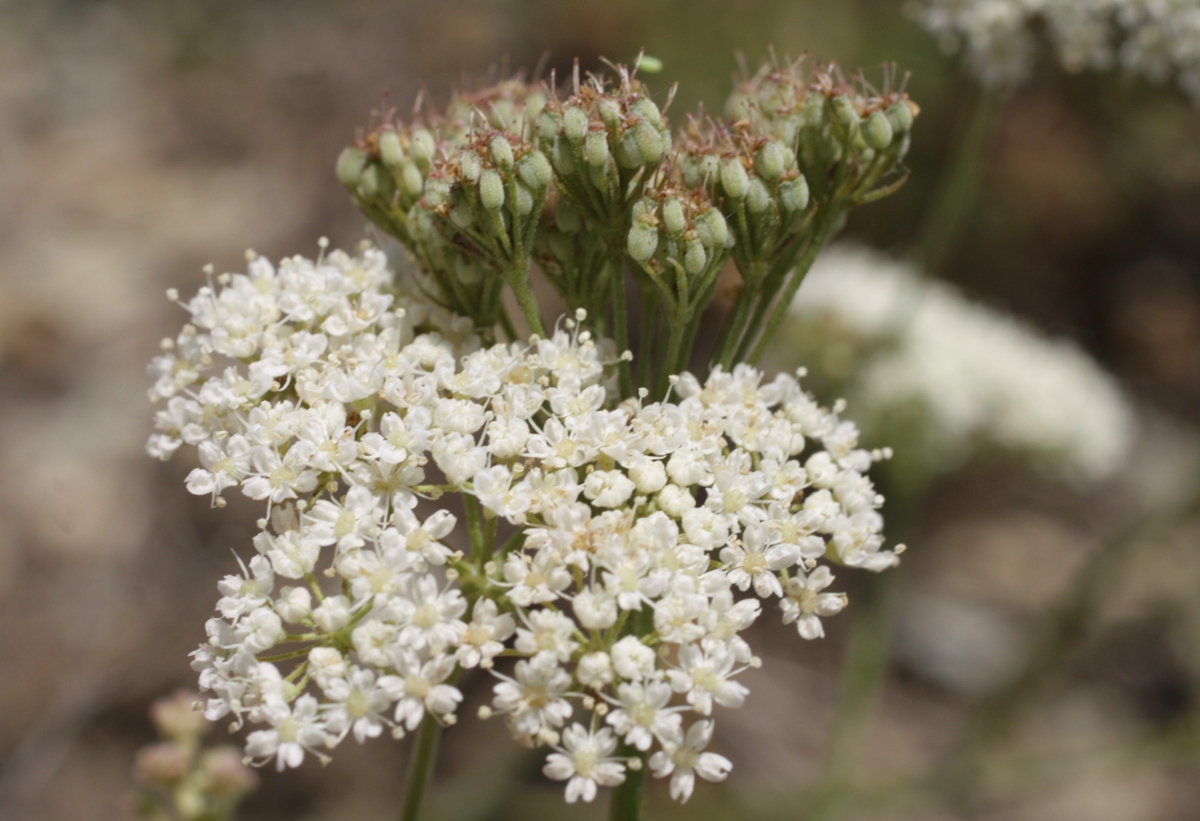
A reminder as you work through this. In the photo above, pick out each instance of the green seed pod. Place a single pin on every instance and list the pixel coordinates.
(845, 112)
(785, 130)
(758, 198)
(734, 178)
(575, 124)
(900, 116)
(878, 131)
(422, 145)
(712, 229)
(645, 108)
(694, 258)
(789, 158)
(524, 201)
(595, 148)
(390, 150)
(534, 170)
(813, 113)
(491, 190)
(793, 194)
(598, 177)
(466, 270)
(411, 179)
(610, 112)
(548, 124)
(672, 217)
(642, 209)
(350, 165)
(770, 163)
(664, 137)
(502, 153)
(500, 113)
(462, 214)
(470, 166)
(567, 217)
(643, 241)
(739, 105)
(710, 168)
(648, 142)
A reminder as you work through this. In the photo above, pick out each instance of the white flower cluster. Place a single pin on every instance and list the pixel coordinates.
(1156, 39)
(979, 379)
(618, 549)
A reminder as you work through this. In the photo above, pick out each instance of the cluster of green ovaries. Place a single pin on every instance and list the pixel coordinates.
(588, 185)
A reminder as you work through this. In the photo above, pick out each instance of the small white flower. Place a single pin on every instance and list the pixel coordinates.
(585, 759)
(684, 761)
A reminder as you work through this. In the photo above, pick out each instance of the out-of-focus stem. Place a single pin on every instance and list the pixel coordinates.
(628, 796)
(424, 755)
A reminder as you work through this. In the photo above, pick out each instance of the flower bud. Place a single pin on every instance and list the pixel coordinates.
(350, 165)
(534, 170)
(422, 145)
(575, 124)
(390, 150)
(793, 194)
(228, 776)
(694, 258)
(648, 141)
(177, 718)
(770, 161)
(878, 131)
(643, 241)
(734, 179)
(491, 190)
(672, 216)
(758, 198)
(502, 153)
(163, 764)
(595, 148)
(901, 116)
(645, 108)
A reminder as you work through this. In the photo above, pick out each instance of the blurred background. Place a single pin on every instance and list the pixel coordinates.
(141, 140)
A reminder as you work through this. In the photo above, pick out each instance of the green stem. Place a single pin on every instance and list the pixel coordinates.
(424, 754)
(952, 205)
(826, 226)
(526, 302)
(616, 256)
(474, 524)
(627, 797)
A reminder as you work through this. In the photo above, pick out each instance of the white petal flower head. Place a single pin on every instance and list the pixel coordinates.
(805, 602)
(684, 761)
(585, 761)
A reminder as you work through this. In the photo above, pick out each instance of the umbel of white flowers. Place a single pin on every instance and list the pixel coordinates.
(966, 379)
(619, 547)
(1155, 39)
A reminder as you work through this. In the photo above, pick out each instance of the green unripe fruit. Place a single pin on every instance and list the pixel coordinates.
(901, 117)
(610, 113)
(390, 150)
(369, 182)
(813, 113)
(462, 214)
(491, 190)
(502, 153)
(878, 131)
(466, 271)
(643, 242)
(758, 198)
(534, 170)
(645, 108)
(793, 194)
(534, 104)
(595, 148)
(567, 217)
(672, 217)
(524, 201)
(844, 112)
(350, 165)
(649, 142)
(548, 123)
(712, 229)
(422, 145)
(437, 192)
(734, 179)
(470, 166)
(560, 155)
(642, 209)
(694, 258)
(575, 124)
(630, 155)
(771, 161)
(411, 179)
